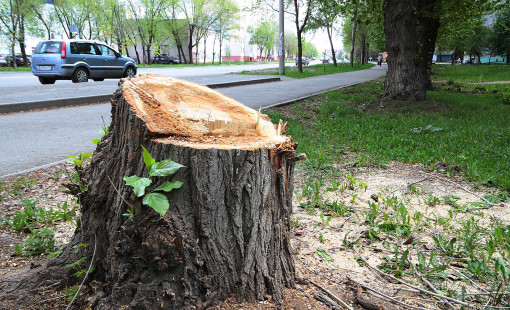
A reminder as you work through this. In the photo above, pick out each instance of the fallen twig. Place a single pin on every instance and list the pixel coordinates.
(393, 299)
(461, 187)
(330, 294)
(115, 188)
(432, 287)
(460, 302)
(88, 271)
(326, 300)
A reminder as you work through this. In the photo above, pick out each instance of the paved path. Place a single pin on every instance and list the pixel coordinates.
(34, 139)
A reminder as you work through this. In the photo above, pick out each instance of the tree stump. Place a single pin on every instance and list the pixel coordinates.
(227, 230)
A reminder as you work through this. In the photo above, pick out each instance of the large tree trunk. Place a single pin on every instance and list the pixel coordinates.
(411, 31)
(227, 230)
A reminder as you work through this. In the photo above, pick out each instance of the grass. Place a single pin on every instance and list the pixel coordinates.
(313, 70)
(459, 130)
(11, 69)
(223, 63)
(472, 73)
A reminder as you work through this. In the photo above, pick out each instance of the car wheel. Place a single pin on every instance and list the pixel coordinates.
(130, 72)
(99, 80)
(80, 75)
(46, 80)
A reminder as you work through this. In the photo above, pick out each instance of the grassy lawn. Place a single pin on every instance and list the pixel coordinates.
(462, 128)
(224, 63)
(472, 73)
(18, 69)
(313, 70)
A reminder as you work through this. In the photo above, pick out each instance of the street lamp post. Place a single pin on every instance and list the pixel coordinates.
(281, 52)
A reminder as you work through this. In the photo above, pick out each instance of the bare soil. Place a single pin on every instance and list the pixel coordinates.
(342, 275)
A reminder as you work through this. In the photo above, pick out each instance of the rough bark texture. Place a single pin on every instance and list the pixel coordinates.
(411, 31)
(226, 233)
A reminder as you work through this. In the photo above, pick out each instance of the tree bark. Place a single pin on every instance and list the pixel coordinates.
(353, 37)
(227, 231)
(411, 31)
(329, 29)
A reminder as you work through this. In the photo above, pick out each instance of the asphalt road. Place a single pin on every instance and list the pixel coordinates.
(31, 140)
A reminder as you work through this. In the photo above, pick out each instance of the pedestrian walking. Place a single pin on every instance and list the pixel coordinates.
(379, 59)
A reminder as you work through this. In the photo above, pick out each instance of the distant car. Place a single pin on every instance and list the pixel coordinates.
(325, 60)
(304, 60)
(19, 59)
(165, 59)
(79, 60)
(3, 61)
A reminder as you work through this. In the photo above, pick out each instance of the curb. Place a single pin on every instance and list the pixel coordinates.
(68, 102)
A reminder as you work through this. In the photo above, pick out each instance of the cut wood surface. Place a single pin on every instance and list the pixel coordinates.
(226, 233)
(185, 111)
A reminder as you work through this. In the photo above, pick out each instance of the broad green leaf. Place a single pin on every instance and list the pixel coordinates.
(71, 156)
(139, 184)
(147, 158)
(168, 186)
(95, 141)
(164, 168)
(86, 155)
(158, 202)
(77, 162)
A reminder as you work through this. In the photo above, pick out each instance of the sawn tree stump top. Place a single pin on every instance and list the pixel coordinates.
(186, 113)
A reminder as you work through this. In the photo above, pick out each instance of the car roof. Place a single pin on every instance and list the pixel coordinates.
(76, 40)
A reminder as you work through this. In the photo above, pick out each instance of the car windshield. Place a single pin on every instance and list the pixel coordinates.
(48, 47)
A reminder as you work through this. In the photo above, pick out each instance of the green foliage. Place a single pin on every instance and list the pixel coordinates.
(323, 254)
(32, 216)
(157, 201)
(78, 159)
(264, 36)
(104, 130)
(40, 242)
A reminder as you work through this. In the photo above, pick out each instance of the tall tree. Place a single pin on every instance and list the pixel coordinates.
(147, 14)
(411, 28)
(10, 16)
(177, 27)
(501, 34)
(264, 36)
(226, 23)
(301, 11)
(200, 16)
(325, 15)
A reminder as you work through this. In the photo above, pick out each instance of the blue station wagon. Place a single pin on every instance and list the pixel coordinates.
(79, 60)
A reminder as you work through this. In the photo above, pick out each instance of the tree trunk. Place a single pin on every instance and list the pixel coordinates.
(411, 31)
(137, 55)
(363, 48)
(330, 30)
(353, 38)
(227, 230)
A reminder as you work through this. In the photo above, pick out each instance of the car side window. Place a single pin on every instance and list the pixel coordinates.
(88, 48)
(105, 50)
(74, 48)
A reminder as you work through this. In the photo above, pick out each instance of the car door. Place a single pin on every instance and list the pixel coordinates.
(91, 55)
(113, 65)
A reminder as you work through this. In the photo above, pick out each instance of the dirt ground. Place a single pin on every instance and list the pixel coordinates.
(342, 273)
